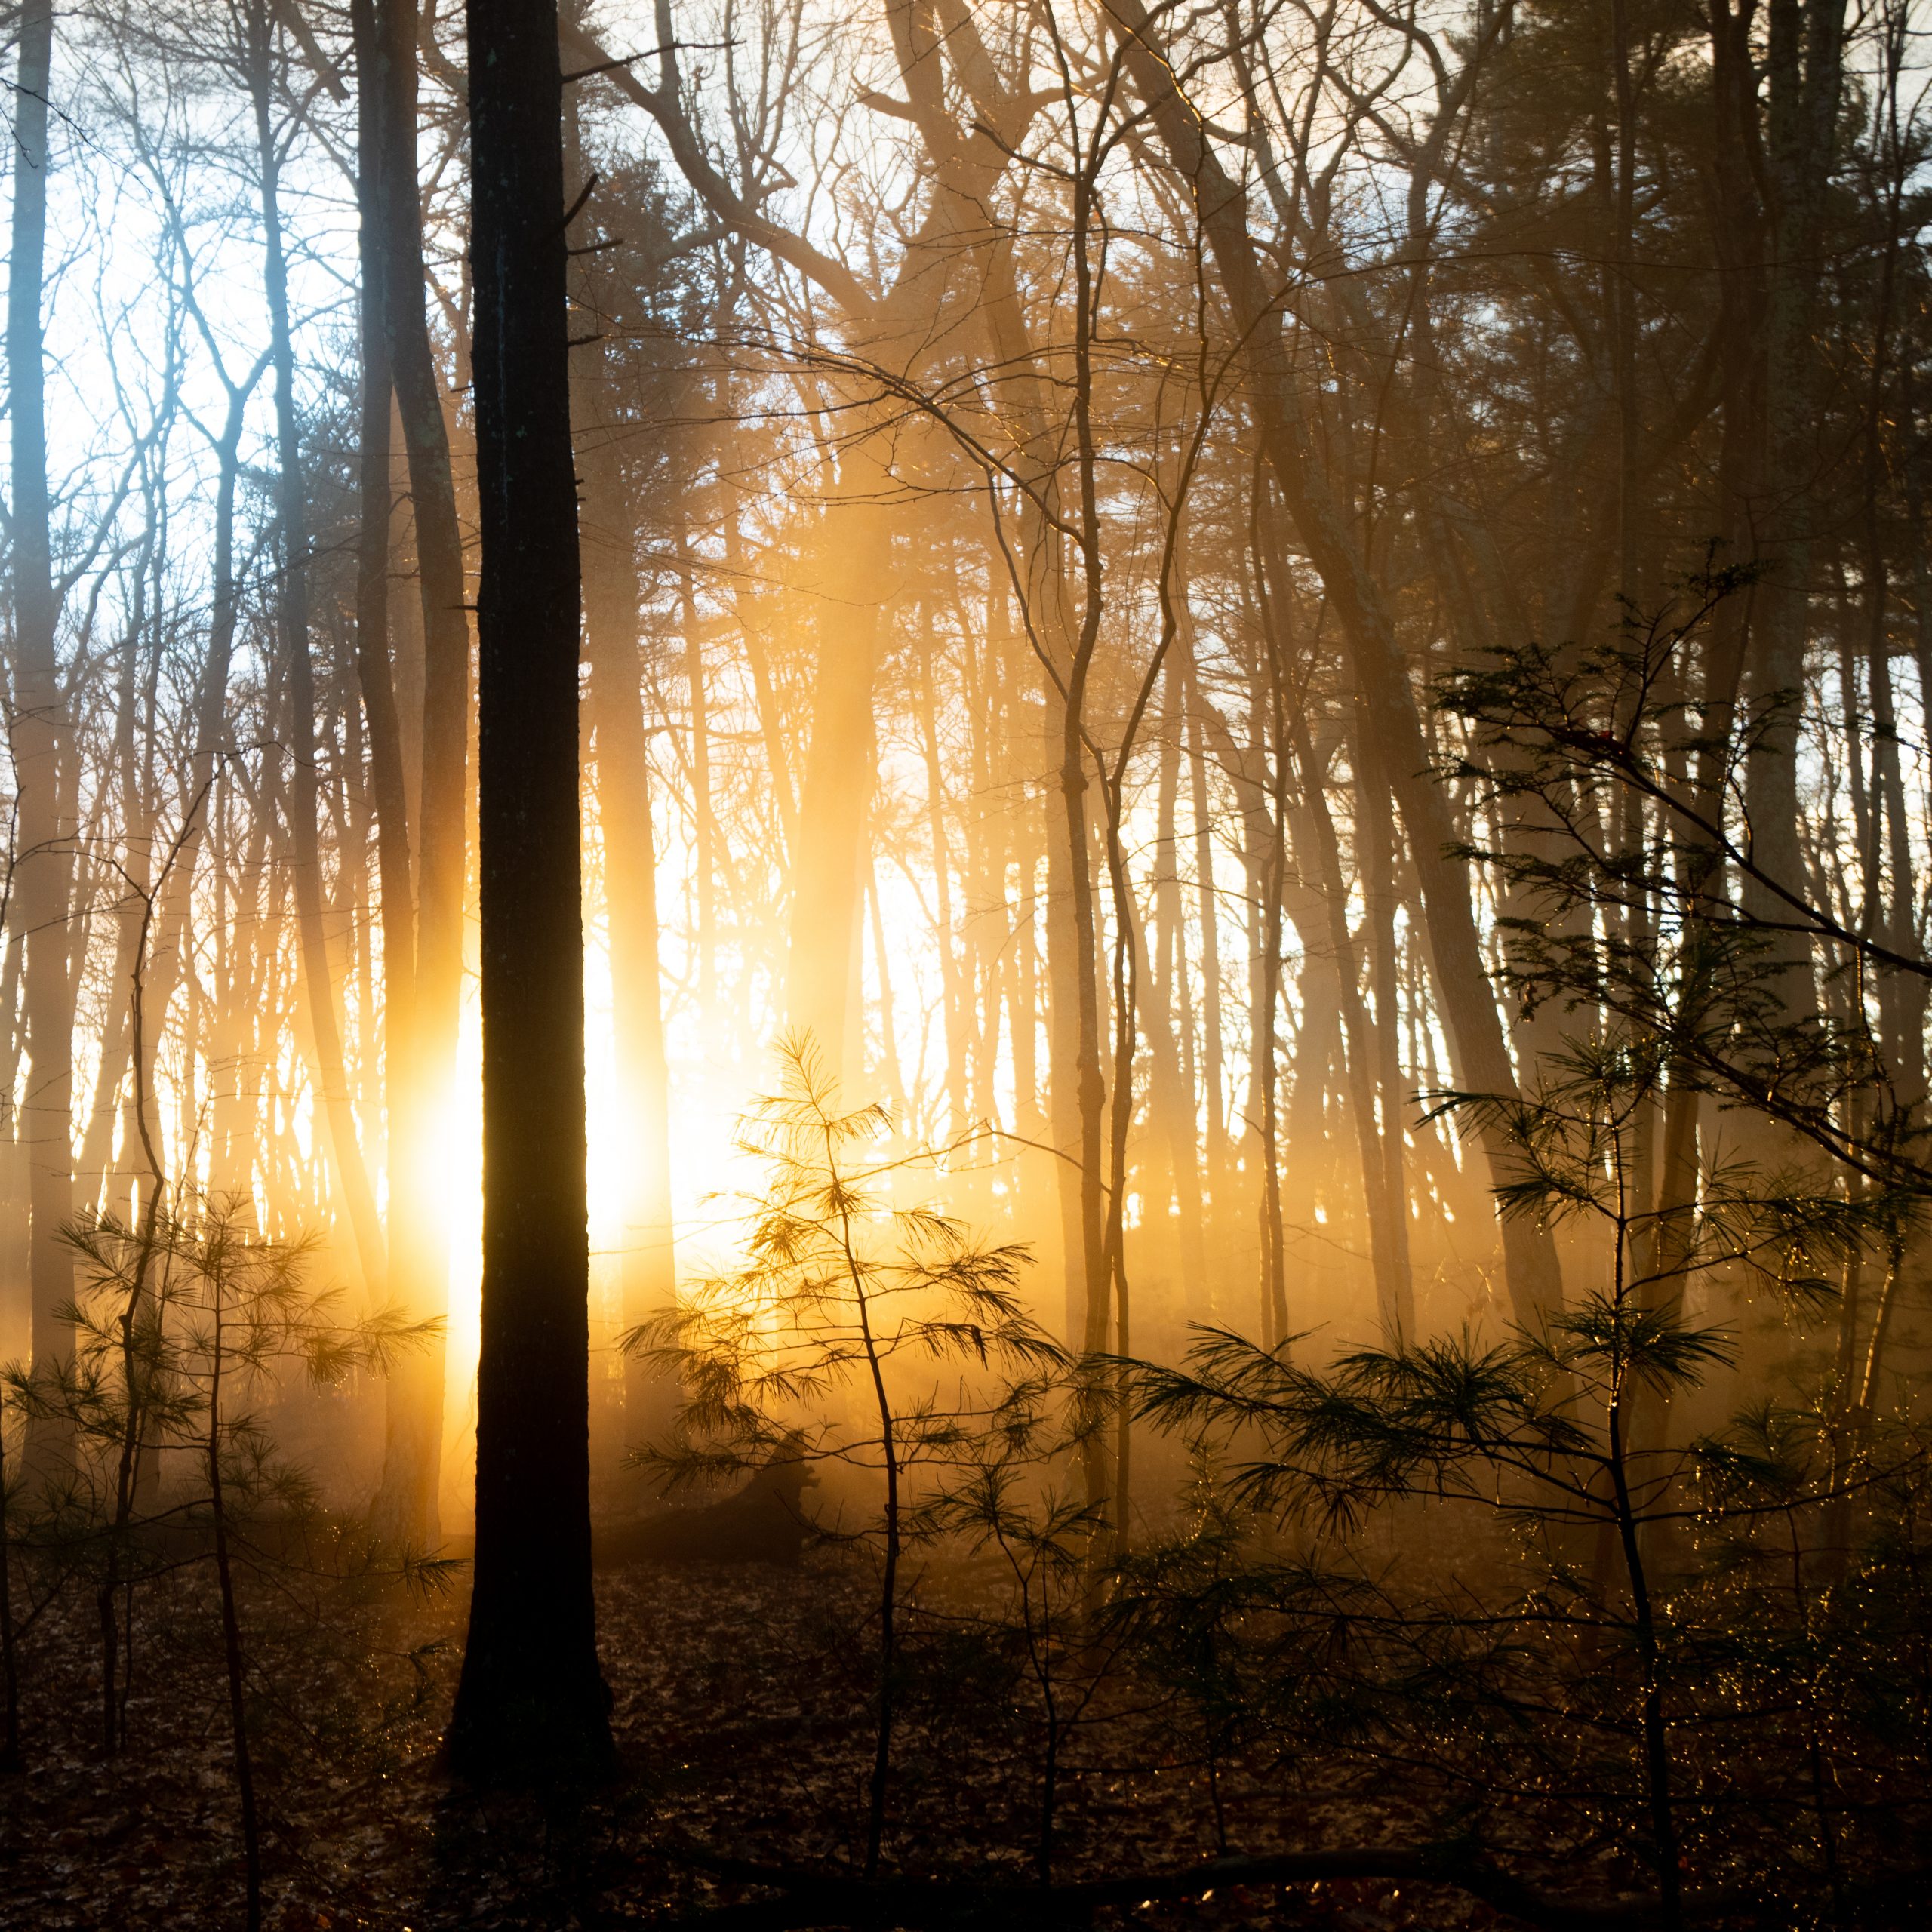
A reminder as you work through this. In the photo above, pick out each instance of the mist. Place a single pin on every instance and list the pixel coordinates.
(963, 960)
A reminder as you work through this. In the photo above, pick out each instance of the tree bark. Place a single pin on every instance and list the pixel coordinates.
(531, 1701)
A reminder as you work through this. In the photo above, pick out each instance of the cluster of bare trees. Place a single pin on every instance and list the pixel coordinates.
(1036, 467)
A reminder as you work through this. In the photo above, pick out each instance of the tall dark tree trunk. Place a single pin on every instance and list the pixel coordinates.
(1804, 74)
(43, 733)
(531, 1700)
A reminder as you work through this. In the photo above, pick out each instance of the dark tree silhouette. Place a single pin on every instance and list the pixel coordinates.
(531, 1700)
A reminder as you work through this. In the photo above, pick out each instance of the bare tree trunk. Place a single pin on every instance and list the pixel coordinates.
(420, 1241)
(405, 1510)
(1805, 76)
(1387, 1214)
(612, 595)
(303, 801)
(704, 820)
(531, 1702)
(1213, 1077)
(834, 805)
(1173, 1090)
(1375, 838)
(42, 740)
(97, 1142)
(955, 996)
(1264, 1079)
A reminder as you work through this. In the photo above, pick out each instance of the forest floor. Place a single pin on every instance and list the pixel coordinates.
(740, 1707)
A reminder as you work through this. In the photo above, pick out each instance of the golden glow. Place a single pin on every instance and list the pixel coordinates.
(706, 1104)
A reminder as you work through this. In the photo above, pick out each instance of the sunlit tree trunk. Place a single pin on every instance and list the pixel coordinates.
(612, 599)
(110, 1077)
(420, 1240)
(303, 803)
(1173, 1090)
(406, 1503)
(1067, 969)
(1387, 1212)
(1213, 1077)
(42, 886)
(955, 994)
(704, 817)
(835, 802)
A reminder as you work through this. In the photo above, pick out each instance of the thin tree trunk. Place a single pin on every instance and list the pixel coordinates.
(1214, 1078)
(304, 800)
(955, 996)
(612, 596)
(97, 1142)
(10, 1664)
(835, 803)
(1387, 1215)
(704, 828)
(420, 1262)
(1174, 1089)
(388, 791)
(42, 886)
(1375, 838)
(231, 1630)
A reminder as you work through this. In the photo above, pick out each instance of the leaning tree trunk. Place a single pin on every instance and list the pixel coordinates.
(531, 1699)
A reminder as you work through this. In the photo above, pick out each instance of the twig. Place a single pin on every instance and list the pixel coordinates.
(931, 1905)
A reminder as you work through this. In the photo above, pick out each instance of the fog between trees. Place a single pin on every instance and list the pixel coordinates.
(1266, 666)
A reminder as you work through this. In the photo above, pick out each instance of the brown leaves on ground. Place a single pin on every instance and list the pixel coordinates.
(741, 1703)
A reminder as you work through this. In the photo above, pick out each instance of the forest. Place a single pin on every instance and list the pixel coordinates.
(962, 962)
